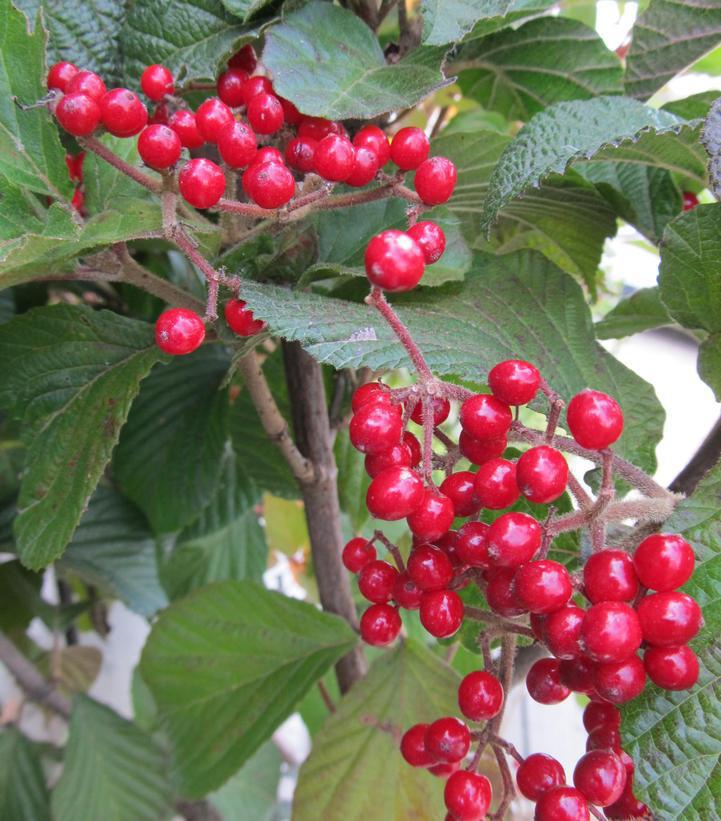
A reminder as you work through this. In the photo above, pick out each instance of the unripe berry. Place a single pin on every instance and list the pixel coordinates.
(429, 568)
(357, 553)
(496, 485)
(122, 112)
(184, 124)
(365, 167)
(594, 419)
(480, 696)
(265, 113)
(479, 451)
(413, 747)
(237, 145)
(201, 183)
(447, 740)
(435, 180)
(459, 487)
(159, 146)
(372, 137)
(513, 539)
(433, 517)
(240, 319)
(300, 154)
(472, 544)
(673, 668)
(441, 612)
(600, 776)
(334, 158)
(543, 586)
(78, 114)
(609, 576)
(538, 774)
(61, 74)
(619, 681)
(394, 494)
(380, 625)
(544, 684)
(431, 239)
(179, 331)
(157, 81)
(484, 417)
(230, 87)
(409, 148)
(376, 427)
(394, 261)
(542, 474)
(88, 83)
(611, 631)
(212, 117)
(664, 561)
(514, 381)
(467, 796)
(269, 184)
(562, 804)
(669, 619)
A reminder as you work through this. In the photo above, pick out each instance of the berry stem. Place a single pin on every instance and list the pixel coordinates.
(508, 626)
(325, 695)
(94, 145)
(247, 209)
(509, 792)
(427, 416)
(511, 749)
(391, 548)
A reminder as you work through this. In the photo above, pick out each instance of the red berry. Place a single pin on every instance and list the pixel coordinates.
(562, 804)
(611, 631)
(664, 561)
(394, 494)
(88, 83)
(290, 112)
(669, 619)
(435, 180)
(538, 774)
(397, 456)
(376, 427)
(441, 612)
(479, 451)
(480, 696)
(600, 776)
(61, 74)
(542, 474)
(179, 331)
(514, 381)
(501, 595)
(447, 740)
(431, 239)
(467, 795)
(159, 115)
(375, 581)
(212, 117)
(334, 158)
(544, 682)
(433, 517)
(268, 154)
(371, 391)
(448, 543)
(430, 568)
(122, 112)
(444, 770)
(254, 86)
(472, 545)
(317, 127)
(413, 746)
(241, 320)
(184, 124)
(690, 201)
(484, 417)
(406, 592)
(627, 806)
(620, 681)
(78, 200)
(269, 184)
(562, 630)
(409, 148)
(78, 114)
(495, 484)
(594, 419)
(157, 81)
(673, 668)
(230, 87)
(538, 625)
(394, 261)
(599, 714)
(245, 59)
(201, 182)
(237, 145)
(159, 146)
(577, 674)
(604, 737)
(459, 487)
(543, 586)
(513, 539)
(380, 625)
(609, 576)
(414, 446)
(300, 154)
(357, 553)
(265, 113)
(365, 167)
(372, 137)
(441, 408)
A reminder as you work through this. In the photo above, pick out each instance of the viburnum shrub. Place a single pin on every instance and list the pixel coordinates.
(302, 301)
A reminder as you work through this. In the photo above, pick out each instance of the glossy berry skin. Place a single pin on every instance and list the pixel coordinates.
(611, 631)
(562, 804)
(230, 87)
(184, 124)
(157, 81)
(562, 631)
(318, 127)
(577, 674)
(669, 619)
(513, 539)
(484, 417)
(78, 114)
(448, 543)
(542, 474)
(604, 737)
(159, 115)
(201, 182)
(514, 381)
(254, 86)
(431, 239)
(628, 806)
(441, 408)
(409, 147)
(544, 683)
(433, 517)
(240, 318)
(88, 83)
(370, 392)
(472, 545)
(467, 795)
(413, 747)
(406, 592)
(60, 75)
(334, 158)
(290, 112)
(501, 595)
(600, 776)
(690, 201)
(414, 446)
(357, 553)
(300, 154)
(543, 586)
(380, 625)
(394, 261)
(394, 494)
(265, 113)
(269, 184)
(609, 576)
(376, 427)
(397, 456)
(479, 451)
(159, 146)
(268, 154)
(460, 488)
(664, 562)
(237, 145)
(365, 167)
(595, 419)
(435, 180)
(179, 331)
(538, 774)
(480, 696)
(447, 740)
(372, 137)
(212, 117)
(620, 681)
(429, 568)
(245, 59)
(598, 714)
(123, 114)
(673, 668)
(496, 485)
(441, 612)
(375, 581)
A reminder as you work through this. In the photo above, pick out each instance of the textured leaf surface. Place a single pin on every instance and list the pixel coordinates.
(362, 85)
(19, 594)
(252, 792)
(522, 71)
(104, 184)
(114, 549)
(112, 769)
(518, 10)
(226, 665)
(353, 481)
(642, 311)
(445, 21)
(71, 375)
(245, 8)
(354, 770)
(20, 212)
(709, 363)
(76, 666)
(23, 794)
(466, 330)
(667, 38)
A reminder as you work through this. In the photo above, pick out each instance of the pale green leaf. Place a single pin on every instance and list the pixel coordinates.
(252, 792)
(23, 794)
(446, 21)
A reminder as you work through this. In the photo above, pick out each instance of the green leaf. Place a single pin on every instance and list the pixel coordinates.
(694, 107)
(518, 10)
(522, 71)
(711, 140)
(112, 769)
(105, 186)
(667, 38)
(70, 374)
(226, 665)
(709, 363)
(252, 792)
(20, 212)
(245, 9)
(673, 737)
(353, 481)
(355, 770)
(114, 549)
(75, 667)
(464, 331)
(446, 21)
(23, 794)
(20, 596)
(169, 456)
(642, 311)
(362, 85)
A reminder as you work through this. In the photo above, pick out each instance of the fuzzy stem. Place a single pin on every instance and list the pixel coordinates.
(94, 145)
(378, 300)
(477, 614)
(380, 536)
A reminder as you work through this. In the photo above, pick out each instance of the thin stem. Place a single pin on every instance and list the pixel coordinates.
(247, 209)
(325, 695)
(509, 792)
(578, 492)
(477, 614)
(378, 300)
(392, 549)
(428, 425)
(94, 145)
(508, 747)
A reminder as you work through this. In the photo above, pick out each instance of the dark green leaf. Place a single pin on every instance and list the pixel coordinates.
(709, 363)
(104, 184)
(446, 21)
(71, 375)
(353, 481)
(252, 792)
(19, 595)
(245, 8)
(20, 213)
(518, 10)
(226, 665)
(642, 311)
(23, 794)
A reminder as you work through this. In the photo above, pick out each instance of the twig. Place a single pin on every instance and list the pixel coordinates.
(377, 299)
(477, 614)
(378, 535)
(94, 145)
(325, 695)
